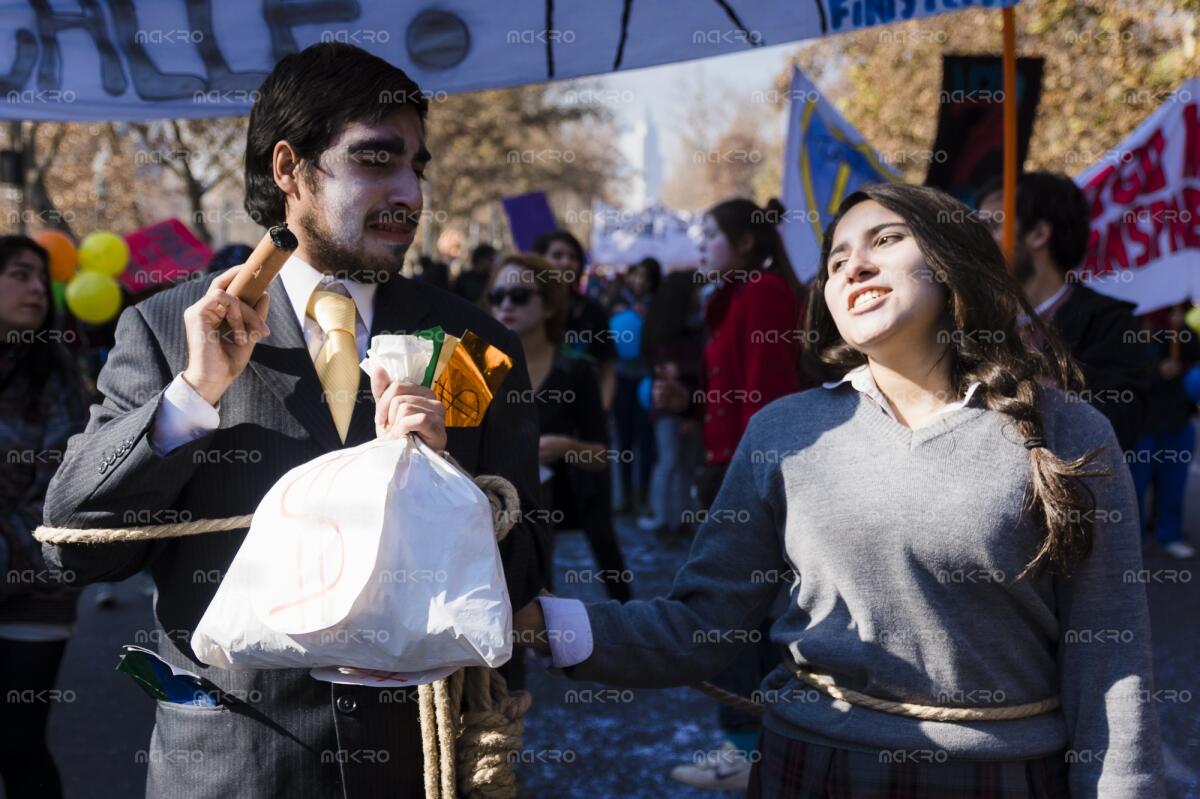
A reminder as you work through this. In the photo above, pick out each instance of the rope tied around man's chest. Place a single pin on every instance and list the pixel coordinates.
(470, 724)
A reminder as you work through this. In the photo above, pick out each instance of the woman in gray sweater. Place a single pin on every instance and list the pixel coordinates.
(958, 539)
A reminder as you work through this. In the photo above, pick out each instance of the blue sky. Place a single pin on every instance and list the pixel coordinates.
(655, 88)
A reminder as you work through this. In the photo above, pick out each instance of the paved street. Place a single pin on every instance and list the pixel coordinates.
(604, 743)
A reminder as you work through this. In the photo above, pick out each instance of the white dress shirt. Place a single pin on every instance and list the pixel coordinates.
(185, 416)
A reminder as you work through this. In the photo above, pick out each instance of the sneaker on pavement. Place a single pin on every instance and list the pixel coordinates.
(1181, 550)
(726, 769)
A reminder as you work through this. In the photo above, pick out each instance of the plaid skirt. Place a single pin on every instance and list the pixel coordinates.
(791, 769)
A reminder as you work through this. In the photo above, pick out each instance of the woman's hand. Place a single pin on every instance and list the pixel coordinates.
(402, 408)
(552, 449)
(529, 625)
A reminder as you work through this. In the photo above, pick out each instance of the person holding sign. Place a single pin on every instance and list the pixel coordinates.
(209, 400)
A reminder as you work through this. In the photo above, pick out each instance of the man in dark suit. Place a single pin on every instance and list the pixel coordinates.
(208, 401)
(1052, 237)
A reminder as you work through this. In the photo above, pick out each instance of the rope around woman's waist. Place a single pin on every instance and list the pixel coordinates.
(826, 685)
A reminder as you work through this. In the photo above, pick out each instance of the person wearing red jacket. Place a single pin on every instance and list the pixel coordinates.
(753, 321)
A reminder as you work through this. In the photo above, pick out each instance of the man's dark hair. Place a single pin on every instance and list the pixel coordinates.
(482, 255)
(308, 97)
(1055, 199)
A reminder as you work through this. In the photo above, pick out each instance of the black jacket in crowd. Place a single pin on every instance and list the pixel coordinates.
(1102, 334)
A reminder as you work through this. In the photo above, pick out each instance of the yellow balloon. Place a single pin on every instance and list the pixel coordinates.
(93, 297)
(1192, 318)
(103, 252)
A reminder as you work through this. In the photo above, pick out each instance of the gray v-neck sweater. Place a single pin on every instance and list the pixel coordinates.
(899, 550)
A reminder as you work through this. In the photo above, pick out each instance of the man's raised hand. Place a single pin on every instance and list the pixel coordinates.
(221, 333)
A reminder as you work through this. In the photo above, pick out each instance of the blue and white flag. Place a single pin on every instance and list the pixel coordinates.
(825, 160)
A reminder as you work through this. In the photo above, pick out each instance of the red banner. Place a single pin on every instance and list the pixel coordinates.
(164, 252)
(1145, 200)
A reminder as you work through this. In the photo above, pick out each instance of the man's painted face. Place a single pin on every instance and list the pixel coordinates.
(362, 201)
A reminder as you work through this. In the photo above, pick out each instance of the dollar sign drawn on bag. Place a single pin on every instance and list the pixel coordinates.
(327, 577)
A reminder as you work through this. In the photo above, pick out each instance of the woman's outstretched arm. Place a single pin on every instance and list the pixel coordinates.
(718, 599)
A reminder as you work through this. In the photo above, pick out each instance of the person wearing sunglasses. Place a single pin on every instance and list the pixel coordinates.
(525, 295)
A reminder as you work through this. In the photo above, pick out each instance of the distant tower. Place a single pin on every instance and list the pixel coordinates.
(649, 183)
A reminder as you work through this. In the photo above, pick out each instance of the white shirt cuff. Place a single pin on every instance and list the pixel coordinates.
(568, 630)
(182, 417)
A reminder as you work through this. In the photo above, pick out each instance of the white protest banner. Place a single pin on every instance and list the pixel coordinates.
(621, 238)
(159, 59)
(1145, 201)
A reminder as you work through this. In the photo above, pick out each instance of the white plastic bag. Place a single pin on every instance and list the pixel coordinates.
(380, 557)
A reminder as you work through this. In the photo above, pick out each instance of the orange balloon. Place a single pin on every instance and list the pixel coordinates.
(63, 256)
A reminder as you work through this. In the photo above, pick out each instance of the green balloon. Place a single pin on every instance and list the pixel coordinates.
(93, 297)
(58, 290)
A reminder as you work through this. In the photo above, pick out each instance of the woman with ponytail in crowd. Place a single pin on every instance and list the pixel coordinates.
(960, 620)
(752, 357)
(753, 317)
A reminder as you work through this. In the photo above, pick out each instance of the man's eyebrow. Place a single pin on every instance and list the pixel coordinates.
(388, 145)
(871, 233)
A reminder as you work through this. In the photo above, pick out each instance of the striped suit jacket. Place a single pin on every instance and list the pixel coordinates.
(286, 735)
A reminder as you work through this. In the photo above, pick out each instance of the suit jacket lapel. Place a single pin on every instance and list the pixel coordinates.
(282, 362)
(397, 310)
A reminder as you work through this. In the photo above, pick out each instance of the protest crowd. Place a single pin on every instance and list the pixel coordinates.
(897, 489)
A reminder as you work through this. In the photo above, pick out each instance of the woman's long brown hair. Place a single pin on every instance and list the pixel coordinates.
(983, 341)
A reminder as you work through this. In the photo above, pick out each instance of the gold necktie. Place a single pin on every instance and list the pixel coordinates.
(337, 362)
